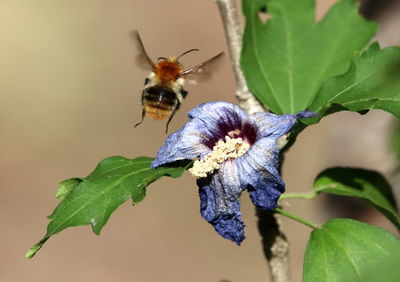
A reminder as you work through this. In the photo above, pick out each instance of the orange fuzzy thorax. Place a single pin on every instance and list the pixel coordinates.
(167, 71)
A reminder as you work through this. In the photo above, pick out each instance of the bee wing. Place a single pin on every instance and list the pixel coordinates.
(202, 71)
(142, 59)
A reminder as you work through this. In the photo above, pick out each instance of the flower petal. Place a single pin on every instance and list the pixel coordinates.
(209, 123)
(218, 118)
(259, 173)
(186, 143)
(212, 110)
(275, 126)
(219, 202)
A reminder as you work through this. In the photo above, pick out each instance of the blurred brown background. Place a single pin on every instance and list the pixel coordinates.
(70, 94)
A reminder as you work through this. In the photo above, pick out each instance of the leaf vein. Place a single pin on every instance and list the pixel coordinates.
(289, 63)
(339, 243)
(261, 67)
(116, 168)
(345, 90)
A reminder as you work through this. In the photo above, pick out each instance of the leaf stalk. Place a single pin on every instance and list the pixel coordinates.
(297, 218)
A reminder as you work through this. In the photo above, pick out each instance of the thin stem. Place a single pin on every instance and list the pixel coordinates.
(297, 218)
(298, 196)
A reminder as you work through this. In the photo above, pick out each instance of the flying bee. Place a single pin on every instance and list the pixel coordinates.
(163, 90)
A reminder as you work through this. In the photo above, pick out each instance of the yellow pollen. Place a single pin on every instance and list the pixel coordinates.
(231, 148)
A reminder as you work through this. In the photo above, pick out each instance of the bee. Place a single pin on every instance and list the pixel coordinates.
(163, 90)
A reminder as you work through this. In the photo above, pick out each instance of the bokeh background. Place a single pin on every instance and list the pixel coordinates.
(70, 94)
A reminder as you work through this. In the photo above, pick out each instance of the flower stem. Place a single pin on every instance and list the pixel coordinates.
(298, 195)
(297, 218)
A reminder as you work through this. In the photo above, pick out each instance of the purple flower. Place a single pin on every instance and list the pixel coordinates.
(233, 151)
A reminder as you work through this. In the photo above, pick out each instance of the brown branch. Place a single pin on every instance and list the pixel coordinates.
(229, 15)
(275, 244)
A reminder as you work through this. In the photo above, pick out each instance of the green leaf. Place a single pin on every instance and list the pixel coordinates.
(372, 82)
(360, 183)
(346, 250)
(93, 199)
(387, 271)
(395, 141)
(65, 187)
(286, 59)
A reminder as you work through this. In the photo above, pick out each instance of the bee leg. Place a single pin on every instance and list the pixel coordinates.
(172, 115)
(143, 114)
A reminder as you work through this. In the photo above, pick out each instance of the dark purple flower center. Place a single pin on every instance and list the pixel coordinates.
(233, 127)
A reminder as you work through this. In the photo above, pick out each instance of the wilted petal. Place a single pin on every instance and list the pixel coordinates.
(259, 173)
(186, 143)
(219, 202)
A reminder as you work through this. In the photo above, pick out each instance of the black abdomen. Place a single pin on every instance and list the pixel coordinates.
(160, 97)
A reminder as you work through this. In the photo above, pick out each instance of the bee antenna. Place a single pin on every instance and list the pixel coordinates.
(186, 52)
(161, 58)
